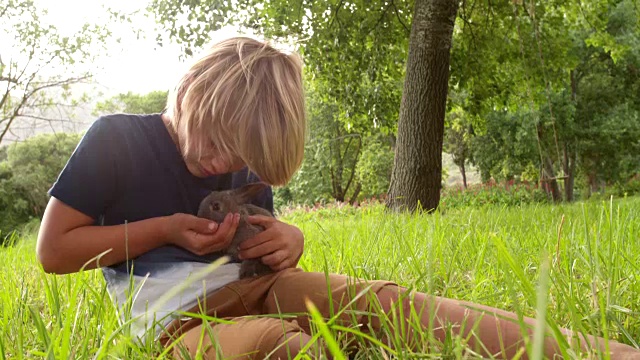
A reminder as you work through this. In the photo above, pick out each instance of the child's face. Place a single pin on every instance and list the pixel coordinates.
(211, 165)
(211, 162)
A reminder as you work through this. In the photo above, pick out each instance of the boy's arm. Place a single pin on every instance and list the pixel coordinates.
(68, 241)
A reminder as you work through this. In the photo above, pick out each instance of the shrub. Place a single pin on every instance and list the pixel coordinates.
(374, 167)
(27, 173)
(506, 194)
(628, 188)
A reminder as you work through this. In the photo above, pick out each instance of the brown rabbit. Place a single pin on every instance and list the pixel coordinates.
(217, 204)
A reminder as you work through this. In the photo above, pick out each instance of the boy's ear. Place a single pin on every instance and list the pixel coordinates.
(244, 194)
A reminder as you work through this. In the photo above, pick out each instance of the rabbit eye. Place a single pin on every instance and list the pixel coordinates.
(215, 206)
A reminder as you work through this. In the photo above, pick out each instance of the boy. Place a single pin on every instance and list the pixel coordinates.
(126, 200)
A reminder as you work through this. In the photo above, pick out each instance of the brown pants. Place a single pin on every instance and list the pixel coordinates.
(245, 335)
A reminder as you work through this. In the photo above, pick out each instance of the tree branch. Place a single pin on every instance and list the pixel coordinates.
(11, 119)
(380, 18)
(399, 19)
(585, 16)
(463, 16)
(49, 120)
(355, 162)
(9, 79)
(59, 83)
(335, 13)
(4, 11)
(5, 97)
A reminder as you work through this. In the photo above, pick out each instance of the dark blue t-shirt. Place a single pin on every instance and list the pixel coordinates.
(127, 168)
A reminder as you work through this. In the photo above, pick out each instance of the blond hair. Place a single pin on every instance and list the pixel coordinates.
(243, 99)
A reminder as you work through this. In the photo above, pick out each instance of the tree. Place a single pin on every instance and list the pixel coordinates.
(331, 155)
(358, 47)
(374, 167)
(505, 147)
(458, 132)
(130, 103)
(332, 151)
(29, 170)
(38, 65)
(416, 176)
(559, 75)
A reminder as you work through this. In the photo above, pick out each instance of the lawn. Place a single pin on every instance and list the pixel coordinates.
(491, 255)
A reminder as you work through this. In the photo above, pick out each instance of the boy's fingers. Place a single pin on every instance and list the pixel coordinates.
(202, 226)
(275, 258)
(226, 224)
(260, 238)
(259, 251)
(228, 227)
(283, 265)
(260, 220)
(223, 237)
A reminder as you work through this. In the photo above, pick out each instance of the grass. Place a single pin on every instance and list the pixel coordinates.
(578, 265)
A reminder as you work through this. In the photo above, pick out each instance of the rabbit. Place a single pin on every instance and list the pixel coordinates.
(218, 203)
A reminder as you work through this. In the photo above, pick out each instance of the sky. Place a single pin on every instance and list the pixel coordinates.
(136, 65)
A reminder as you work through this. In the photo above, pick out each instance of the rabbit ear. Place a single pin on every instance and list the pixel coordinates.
(246, 193)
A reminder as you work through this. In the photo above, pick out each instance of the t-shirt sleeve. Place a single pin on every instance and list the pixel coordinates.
(88, 182)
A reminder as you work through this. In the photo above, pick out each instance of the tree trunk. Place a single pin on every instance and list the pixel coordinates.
(464, 175)
(417, 170)
(569, 158)
(569, 168)
(356, 192)
(552, 183)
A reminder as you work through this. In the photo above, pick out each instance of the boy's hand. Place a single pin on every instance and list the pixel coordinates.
(279, 246)
(198, 235)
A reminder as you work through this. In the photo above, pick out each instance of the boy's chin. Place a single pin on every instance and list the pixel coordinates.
(197, 171)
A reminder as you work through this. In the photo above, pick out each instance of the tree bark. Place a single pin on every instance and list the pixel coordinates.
(417, 170)
(464, 175)
(356, 192)
(552, 183)
(569, 168)
(569, 158)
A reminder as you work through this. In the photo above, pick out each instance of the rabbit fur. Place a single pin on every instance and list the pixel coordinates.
(218, 203)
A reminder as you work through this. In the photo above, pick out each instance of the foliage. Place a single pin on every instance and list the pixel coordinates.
(619, 189)
(130, 103)
(357, 48)
(374, 166)
(458, 131)
(506, 194)
(628, 188)
(331, 155)
(340, 164)
(43, 65)
(505, 147)
(308, 186)
(567, 71)
(26, 175)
